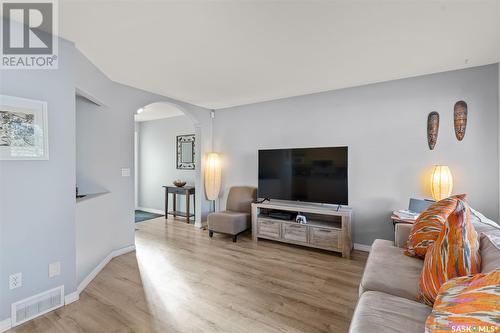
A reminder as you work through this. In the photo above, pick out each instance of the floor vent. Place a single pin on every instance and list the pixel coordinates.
(37, 305)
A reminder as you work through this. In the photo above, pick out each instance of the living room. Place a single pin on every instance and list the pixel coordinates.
(308, 127)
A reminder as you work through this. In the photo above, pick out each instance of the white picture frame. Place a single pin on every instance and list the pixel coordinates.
(23, 129)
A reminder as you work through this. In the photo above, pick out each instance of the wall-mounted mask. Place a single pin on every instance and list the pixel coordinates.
(432, 129)
(460, 119)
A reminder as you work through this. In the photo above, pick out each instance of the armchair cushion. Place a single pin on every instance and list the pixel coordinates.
(240, 199)
(228, 222)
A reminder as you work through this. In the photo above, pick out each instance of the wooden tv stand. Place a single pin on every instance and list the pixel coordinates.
(333, 234)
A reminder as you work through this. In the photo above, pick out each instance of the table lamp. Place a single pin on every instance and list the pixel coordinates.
(441, 182)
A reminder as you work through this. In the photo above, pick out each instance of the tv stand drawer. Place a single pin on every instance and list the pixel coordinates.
(325, 237)
(295, 232)
(328, 228)
(268, 228)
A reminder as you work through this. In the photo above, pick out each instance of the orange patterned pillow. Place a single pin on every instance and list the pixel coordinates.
(428, 225)
(467, 304)
(454, 253)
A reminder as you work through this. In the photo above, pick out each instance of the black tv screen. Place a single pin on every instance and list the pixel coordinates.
(316, 175)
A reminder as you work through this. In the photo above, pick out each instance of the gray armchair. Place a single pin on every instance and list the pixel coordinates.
(237, 218)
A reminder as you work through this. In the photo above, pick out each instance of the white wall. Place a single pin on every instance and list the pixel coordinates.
(384, 126)
(157, 160)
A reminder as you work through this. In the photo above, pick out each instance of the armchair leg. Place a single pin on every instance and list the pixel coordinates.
(210, 233)
(235, 237)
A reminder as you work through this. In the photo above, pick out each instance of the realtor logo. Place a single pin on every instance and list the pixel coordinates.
(29, 36)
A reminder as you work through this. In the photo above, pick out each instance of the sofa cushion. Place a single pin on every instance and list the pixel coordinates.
(489, 239)
(454, 253)
(388, 270)
(490, 253)
(228, 222)
(469, 302)
(380, 312)
(482, 224)
(429, 224)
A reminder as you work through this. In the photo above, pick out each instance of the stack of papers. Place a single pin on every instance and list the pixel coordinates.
(406, 214)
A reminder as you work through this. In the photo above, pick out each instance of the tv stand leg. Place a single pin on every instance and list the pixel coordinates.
(338, 207)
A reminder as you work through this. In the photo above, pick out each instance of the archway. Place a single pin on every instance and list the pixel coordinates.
(160, 127)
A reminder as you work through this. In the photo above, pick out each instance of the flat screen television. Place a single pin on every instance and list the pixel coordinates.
(316, 175)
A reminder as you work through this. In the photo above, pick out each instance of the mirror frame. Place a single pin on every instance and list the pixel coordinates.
(188, 138)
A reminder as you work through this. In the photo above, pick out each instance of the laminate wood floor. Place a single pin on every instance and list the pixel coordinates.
(179, 280)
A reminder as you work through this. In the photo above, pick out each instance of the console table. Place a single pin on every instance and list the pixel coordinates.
(185, 190)
(332, 235)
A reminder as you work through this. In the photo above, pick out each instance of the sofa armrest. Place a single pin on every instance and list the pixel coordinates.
(401, 234)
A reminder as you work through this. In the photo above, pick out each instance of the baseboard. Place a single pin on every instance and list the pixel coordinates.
(86, 281)
(123, 250)
(5, 325)
(362, 247)
(101, 265)
(151, 210)
(70, 298)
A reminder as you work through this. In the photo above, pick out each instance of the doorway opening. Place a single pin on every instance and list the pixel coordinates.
(165, 161)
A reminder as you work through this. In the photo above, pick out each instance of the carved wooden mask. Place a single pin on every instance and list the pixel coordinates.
(460, 119)
(432, 129)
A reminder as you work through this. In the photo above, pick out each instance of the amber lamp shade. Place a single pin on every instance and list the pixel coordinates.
(441, 182)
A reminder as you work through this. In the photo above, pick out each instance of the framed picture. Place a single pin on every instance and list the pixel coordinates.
(185, 152)
(23, 129)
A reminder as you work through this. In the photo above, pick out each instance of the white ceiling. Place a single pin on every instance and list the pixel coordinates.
(156, 111)
(223, 53)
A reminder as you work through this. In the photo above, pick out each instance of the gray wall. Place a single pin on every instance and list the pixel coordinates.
(384, 126)
(40, 221)
(95, 83)
(105, 145)
(37, 198)
(104, 223)
(157, 160)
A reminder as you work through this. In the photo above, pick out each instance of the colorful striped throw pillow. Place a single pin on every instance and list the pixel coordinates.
(454, 253)
(428, 225)
(467, 304)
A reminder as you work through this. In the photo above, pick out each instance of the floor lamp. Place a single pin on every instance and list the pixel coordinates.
(212, 177)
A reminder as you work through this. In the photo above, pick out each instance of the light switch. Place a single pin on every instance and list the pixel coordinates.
(125, 172)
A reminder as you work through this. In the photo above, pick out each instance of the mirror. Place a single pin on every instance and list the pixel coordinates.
(185, 152)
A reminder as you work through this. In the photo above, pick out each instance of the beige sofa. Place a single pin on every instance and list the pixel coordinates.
(389, 285)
